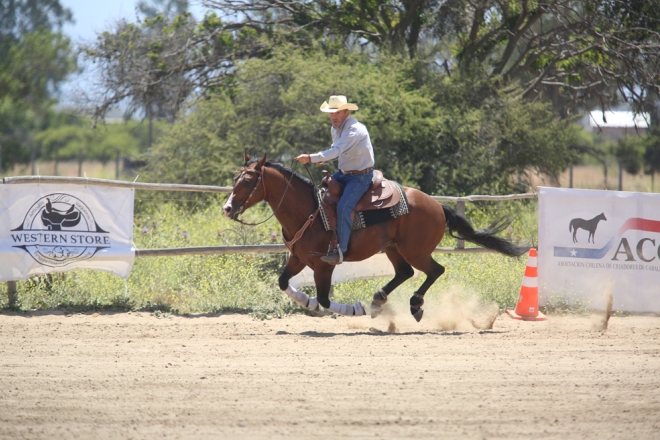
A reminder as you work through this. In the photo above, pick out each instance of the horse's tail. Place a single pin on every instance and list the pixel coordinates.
(486, 237)
(570, 226)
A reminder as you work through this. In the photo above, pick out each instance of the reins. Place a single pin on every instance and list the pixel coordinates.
(309, 174)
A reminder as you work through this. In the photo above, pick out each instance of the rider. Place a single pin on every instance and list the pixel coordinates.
(352, 145)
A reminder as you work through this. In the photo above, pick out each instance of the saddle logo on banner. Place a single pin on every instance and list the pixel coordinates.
(645, 249)
(59, 229)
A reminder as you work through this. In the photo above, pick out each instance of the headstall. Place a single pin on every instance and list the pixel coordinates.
(240, 210)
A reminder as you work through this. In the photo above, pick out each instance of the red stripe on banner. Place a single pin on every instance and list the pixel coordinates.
(640, 224)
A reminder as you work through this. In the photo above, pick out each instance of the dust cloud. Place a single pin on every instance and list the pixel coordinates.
(460, 312)
(600, 321)
(452, 311)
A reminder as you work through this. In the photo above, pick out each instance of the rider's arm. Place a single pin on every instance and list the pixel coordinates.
(349, 137)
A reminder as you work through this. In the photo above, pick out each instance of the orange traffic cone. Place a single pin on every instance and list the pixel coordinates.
(527, 308)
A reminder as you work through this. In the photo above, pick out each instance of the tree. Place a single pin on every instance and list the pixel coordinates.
(475, 76)
(431, 138)
(61, 143)
(629, 153)
(590, 51)
(155, 65)
(77, 139)
(36, 58)
(652, 155)
(602, 150)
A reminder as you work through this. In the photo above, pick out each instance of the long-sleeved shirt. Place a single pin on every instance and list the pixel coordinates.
(351, 144)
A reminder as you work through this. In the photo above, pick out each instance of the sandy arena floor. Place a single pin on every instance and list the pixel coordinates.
(136, 376)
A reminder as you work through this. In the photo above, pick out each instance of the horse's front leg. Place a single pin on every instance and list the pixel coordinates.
(293, 268)
(323, 280)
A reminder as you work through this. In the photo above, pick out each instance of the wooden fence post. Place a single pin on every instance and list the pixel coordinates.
(11, 293)
(460, 210)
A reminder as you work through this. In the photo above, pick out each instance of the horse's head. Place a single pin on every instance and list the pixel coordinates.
(246, 191)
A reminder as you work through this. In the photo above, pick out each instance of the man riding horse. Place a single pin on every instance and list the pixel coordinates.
(352, 146)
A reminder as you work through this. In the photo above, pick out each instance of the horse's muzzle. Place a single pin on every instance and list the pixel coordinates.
(228, 209)
(231, 210)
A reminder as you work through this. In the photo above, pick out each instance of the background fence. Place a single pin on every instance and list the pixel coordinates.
(216, 250)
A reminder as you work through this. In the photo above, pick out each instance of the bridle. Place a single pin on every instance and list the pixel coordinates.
(261, 179)
(289, 243)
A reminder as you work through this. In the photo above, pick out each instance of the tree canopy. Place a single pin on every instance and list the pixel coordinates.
(573, 52)
(442, 138)
(460, 96)
(36, 58)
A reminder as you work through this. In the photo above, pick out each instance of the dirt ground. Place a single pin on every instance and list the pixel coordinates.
(138, 376)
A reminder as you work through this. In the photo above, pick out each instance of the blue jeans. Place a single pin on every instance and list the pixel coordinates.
(355, 185)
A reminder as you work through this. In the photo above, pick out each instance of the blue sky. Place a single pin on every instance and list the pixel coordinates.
(94, 16)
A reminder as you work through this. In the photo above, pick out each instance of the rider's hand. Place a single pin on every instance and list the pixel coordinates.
(303, 159)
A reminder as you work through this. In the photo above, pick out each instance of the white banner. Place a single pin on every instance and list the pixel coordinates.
(55, 228)
(595, 242)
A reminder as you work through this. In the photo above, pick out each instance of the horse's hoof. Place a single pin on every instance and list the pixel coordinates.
(377, 302)
(416, 303)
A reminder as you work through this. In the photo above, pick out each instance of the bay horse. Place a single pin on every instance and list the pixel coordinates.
(408, 241)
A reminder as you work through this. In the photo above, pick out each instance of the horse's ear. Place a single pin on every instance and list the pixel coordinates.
(261, 162)
(247, 157)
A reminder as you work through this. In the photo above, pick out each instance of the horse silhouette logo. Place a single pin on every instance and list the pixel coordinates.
(587, 225)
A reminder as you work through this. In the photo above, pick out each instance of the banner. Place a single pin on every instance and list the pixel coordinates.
(56, 228)
(593, 242)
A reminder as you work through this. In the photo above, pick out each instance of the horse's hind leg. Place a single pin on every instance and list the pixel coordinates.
(402, 272)
(292, 268)
(433, 270)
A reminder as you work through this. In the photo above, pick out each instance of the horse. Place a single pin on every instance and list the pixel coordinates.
(587, 225)
(408, 240)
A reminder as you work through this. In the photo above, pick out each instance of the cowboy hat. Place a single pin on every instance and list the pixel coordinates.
(337, 103)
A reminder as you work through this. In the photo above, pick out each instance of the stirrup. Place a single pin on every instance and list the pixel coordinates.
(334, 257)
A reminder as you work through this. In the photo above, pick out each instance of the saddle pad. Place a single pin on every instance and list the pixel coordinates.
(363, 219)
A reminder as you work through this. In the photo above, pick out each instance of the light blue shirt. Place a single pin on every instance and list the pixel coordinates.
(351, 144)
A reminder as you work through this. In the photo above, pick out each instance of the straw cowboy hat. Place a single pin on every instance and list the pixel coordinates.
(337, 103)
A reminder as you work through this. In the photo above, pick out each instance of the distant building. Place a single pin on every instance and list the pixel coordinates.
(616, 124)
(114, 116)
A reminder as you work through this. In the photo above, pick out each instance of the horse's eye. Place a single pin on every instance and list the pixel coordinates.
(247, 181)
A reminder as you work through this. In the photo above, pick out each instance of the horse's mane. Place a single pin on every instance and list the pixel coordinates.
(285, 170)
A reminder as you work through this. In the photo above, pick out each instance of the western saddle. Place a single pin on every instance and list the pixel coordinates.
(382, 194)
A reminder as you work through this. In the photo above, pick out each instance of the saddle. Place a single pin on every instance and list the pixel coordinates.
(382, 195)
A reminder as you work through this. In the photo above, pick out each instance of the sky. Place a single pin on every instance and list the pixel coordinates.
(94, 16)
